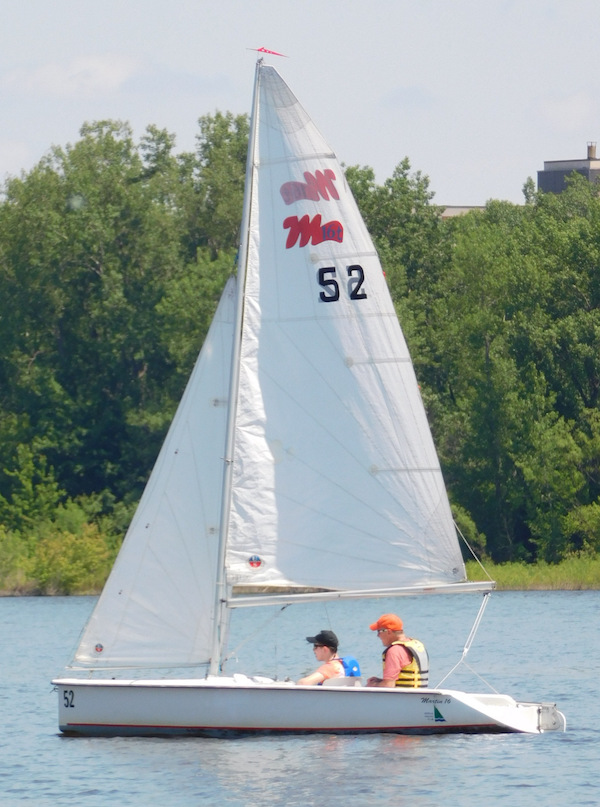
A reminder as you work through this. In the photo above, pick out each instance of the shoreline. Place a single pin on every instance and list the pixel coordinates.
(576, 573)
(573, 585)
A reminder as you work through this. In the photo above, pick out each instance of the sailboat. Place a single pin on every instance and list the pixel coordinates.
(299, 467)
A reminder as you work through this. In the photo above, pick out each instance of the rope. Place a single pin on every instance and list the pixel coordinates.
(472, 551)
(233, 653)
(468, 644)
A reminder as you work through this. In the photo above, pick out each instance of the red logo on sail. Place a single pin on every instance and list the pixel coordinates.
(306, 230)
(317, 186)
(312, 230)
(99, 648)
(255, 561)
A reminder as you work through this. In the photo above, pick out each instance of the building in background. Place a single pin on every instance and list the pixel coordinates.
(553, 178)
(460, 210)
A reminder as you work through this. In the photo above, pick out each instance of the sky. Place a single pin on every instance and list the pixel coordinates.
(476, 93)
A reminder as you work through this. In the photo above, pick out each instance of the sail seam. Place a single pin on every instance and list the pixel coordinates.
(411, 470)
(391, 360)
(297, 159)
(325, 318)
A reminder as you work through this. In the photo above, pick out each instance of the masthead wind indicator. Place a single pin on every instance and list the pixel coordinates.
(271, 52)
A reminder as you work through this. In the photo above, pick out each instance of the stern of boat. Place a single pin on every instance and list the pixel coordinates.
(550, 718)
(512, 715)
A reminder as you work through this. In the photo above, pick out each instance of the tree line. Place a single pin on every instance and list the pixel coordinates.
(113, 254)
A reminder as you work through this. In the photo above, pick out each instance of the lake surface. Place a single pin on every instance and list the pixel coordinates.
(532, 645)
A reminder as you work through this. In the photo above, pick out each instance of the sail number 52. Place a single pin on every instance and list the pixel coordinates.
(327, 277)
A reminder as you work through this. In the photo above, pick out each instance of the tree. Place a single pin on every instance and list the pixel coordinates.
(90, 242)
(484, 402)
(222, 147)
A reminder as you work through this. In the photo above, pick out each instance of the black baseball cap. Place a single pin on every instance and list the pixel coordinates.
(326, 637)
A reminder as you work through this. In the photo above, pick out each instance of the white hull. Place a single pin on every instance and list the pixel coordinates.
(239, 705)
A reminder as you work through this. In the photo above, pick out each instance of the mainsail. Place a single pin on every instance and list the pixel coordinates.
(336, 482)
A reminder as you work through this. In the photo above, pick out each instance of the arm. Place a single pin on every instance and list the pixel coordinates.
(331, 669)
(311, 680)
(395, 658)
(380, 682)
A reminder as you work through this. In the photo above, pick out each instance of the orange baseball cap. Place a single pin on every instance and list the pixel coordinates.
(389, 621)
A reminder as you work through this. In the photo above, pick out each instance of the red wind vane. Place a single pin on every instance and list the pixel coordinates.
(271, 52)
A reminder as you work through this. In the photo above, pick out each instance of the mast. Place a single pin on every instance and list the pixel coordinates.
(220, 611)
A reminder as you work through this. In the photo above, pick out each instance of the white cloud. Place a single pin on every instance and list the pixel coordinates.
(88, 75)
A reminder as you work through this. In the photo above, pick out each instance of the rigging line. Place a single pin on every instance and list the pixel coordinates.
(468, 644)
(472, 551)
(481, 678)
(475, 673)
(233, 653)
(475, 627)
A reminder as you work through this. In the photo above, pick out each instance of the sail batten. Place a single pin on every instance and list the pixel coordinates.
(298, 158)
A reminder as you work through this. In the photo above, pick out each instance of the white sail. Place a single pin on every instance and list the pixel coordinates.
(156, 608)
(336, 481)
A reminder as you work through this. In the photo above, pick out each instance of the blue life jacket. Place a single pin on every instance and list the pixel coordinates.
(351, 666)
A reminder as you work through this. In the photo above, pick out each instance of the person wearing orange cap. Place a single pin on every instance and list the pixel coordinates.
(405, 660)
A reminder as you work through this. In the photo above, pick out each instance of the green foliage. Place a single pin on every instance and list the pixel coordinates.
(406, 228)
(14, 573)
(34, 492)
(577, 572)
(113, 255)
(62, 555)
(220, 173)
(474, 540)
(184, 327)
(412, 243)
(582, 524)
(68, 563)
(515, 324)
(106, 294)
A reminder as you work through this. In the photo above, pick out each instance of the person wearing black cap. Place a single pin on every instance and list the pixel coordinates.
(325, 645)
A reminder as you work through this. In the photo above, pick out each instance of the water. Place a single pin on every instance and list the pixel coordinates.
(539, 645)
